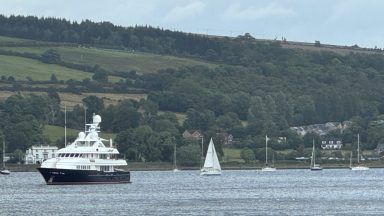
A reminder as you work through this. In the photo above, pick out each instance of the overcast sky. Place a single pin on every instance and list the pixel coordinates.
(341, 22)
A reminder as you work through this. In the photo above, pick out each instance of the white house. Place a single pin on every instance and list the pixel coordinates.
(38, 154)
(331, 144)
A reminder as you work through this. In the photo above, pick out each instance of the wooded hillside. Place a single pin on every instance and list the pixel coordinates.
(241, 85)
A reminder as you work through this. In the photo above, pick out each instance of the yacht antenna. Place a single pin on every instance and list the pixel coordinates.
(65, 126)
(85, 119)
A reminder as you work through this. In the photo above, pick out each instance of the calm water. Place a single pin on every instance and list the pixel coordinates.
(284, 192)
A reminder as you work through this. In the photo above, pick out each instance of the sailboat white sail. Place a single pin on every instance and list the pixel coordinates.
(314, 166)
(4, 171)
(211, 163)
(359, 166)
(267, 168)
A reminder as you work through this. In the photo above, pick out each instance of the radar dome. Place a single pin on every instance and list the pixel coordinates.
(81, 135)
(96, 119)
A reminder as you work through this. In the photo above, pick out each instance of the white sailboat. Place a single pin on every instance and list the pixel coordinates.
(314, 166)
(174, 160)
(267, 168)
(4, 171)
(211, 163)
(359, 167)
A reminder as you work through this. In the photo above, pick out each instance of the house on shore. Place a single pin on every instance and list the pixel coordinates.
(38, 154)
(192, 134)
(331, 143)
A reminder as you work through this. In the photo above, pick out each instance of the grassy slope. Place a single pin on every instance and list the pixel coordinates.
(12, 40)
(71, 100)
(232, 154)
(20, 68)
(115, 60)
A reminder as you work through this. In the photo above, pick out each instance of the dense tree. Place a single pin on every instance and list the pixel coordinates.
(51, 56)
(94, 105)
(247, 155)
(189, 154)
(100, 74)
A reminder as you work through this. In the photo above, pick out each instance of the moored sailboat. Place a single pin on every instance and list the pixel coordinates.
(174, 160)
(4, 171)
(359, 166)
(314, 166)
(211, 163)
(267, 168)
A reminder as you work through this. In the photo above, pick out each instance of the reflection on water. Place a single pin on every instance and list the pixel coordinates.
(290, 192)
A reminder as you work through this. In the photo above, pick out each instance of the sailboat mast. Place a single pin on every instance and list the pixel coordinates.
(202, 152)
(313, 153)
(213, 154)
(3, 153)
(358, 148)
(266, 150)
(174, 157)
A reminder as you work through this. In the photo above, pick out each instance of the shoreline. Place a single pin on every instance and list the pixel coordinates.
(168, 167)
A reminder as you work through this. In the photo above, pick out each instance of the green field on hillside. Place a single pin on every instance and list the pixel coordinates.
(21, 68)
(4, 39)
(231, 154)
(115, 60)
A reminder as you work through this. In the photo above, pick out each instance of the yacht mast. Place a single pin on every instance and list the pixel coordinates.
(85, 119)
(65, 126)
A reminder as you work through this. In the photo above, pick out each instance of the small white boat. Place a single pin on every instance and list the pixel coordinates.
(267, 168)
(211, 163)
(359, 167)
(314, 166)
(4, 171)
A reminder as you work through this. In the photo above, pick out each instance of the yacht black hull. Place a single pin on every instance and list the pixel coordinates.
(54, 176)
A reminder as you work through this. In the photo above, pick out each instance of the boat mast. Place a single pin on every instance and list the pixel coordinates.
(174, 157)
(358, 148)
(202, 152)
(313, 153)
(213, 154)
(65, 126)
(3, 153)
(85, 119)
(266, 150)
